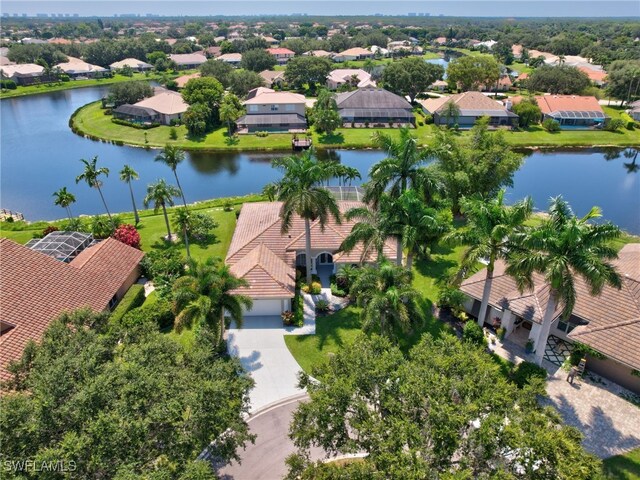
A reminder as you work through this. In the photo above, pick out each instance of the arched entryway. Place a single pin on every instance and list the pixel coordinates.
(324, 268)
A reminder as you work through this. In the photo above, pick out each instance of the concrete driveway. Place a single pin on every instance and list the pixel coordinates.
(261, 349)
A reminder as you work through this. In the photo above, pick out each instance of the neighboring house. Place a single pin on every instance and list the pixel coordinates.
(522, 77)
(634, 110)
(504, 85)
(318, 53)
(22, 73)
(133, 63)
(516, 51)
(404, 47)
(5, 61)
(37, 288)
(608, 323)
(267, 259)
(487, 44)
(441, 40)
(379, 51)
(273, 112)
(273, 77)
(471, 107)
(375, 106)
(213, 52)
(79, 69)
(167, 105)
(349, 76)
(186, 61)
(598, 77)
(572, 111)
(272, 42)
(351, 54)
(231, 58)
(182, 80)
(439, 85)
(282, 55)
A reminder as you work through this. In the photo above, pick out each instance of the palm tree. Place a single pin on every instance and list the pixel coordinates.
(451, 111)
(182, 221)
(562, 248)
(64, 199)
(302, 193)
(400, 170)
(172, 156)
(205, 294)
(490, 228)
(126, 175)
(91, 175)
(161, 194)
(386, 296)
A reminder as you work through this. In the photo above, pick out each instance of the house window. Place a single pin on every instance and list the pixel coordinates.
(274, 108)
(253, 108)
(565, 327)
(290, 107)
(113, 302)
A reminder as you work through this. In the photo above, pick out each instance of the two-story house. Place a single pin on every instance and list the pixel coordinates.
(271, 111)
(282, 55)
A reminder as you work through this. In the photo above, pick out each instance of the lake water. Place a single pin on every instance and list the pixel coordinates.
(39, 154)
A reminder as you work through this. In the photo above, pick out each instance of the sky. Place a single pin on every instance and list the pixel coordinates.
(466, 8)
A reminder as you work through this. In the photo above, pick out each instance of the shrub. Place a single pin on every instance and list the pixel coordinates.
(141, 126)
(580, 351)
(49, 229)
(315, 288)
(501, 332)
(128, 234)
(298, 310)
(287, 317)
(102, 227)
(201, 228)
(528, 348)
(322, 306)
(132, 299)
(74, 225)
(525, 371)
(262, 134)
(228, 206)
(614, 125)
(163, 267)
(8, 84)
(173, 133)
(337, 291)
(551, 125)
(473, 333)
(451, 297)
(630, 123)
(158, 312)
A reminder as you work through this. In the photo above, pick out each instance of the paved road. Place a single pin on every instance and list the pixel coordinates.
(264, 460)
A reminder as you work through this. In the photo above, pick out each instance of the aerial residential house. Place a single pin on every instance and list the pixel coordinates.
(282, 55)
(22, 73)
(598, 77)
(572, 111)
(441, 40)
(516, 51)
(504, 84)
(133, 63)
(608, 323)
(357, 53)
(354, 77)
(404, 47)
(59, 273)
(273, 77)
(318, 53)
(186, 61)
(213, 52)
(79, 69)
(231, 58)
(471, 106)
(182, 80)
(165, 107)
(272, 111)
(376, 107)
(272, 42)
(439, 85)
(267, 259)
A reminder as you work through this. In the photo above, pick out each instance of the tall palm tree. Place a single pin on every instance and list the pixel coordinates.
(182, 221)
(451, 112)
(161, 194)
(387, 298)
(64, 199)
(126, 175)
(562, 248)
(302, 193)
(172, 156)
(206, 293)
(490, 228)
(400, 170)
(91, 175)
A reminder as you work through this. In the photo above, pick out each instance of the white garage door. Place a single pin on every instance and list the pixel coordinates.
(265, 307)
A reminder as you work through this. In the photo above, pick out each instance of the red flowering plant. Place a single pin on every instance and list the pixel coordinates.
(128, 235)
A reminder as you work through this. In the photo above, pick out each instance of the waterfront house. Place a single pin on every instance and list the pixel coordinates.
(376, 107)
(282, 55)
(470, 107)
(165, 107)
(357, 53)
(22, 73)
(354, 77)
(272, 111)
(79, 69)
(318, 53)
(133, 63)
(608, 323)
(231, 58)
(58, 275)
(182, 80)
(267, 259)
(273, 77)
(186, 61)
(572, 111)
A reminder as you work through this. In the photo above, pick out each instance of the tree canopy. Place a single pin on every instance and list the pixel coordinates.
(307, 70)
(257, 60)
(218, 70)
(469, 72)
(129, 92)
(411, 76)
(562, 79)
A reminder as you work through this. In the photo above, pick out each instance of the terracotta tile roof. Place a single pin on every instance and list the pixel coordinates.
(182, 80)
(594, 75)
(356, 51)
(258, 241)
(36, 288)
(196, 58)
(165, 102)
(267, 97)
(280, 51)
(613, 316)
(469, 103)
(571, 103)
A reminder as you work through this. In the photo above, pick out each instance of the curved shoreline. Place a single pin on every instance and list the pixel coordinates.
(279, 142)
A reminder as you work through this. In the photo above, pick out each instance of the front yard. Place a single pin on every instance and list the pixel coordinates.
(623, 467)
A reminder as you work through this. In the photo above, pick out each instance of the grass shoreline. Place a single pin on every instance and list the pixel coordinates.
(90, 122)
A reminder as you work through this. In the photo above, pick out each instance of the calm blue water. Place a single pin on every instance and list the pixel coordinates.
(39, 154)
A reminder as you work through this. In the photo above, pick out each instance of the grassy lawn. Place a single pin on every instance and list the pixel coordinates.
(520, 67)
(623, 467)
(55, 87)
(91, 120)
(152, 228)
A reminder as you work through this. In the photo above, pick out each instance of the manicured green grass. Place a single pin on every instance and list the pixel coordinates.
(520, 67)
(91, 120)
(623, 467)
(55, 87)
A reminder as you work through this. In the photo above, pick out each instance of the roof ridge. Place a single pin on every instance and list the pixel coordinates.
(585, 329)
(259, 263)
(231, 254)
(313, 225)
(635, 300)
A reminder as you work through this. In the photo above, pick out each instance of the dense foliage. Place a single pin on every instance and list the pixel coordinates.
(472, 72)
(129, 92)
(309, 71)
(561, 79)
(410, 76)
(257, 60)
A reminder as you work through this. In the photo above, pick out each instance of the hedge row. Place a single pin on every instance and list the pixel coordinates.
(132, 299)
(140, 126)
